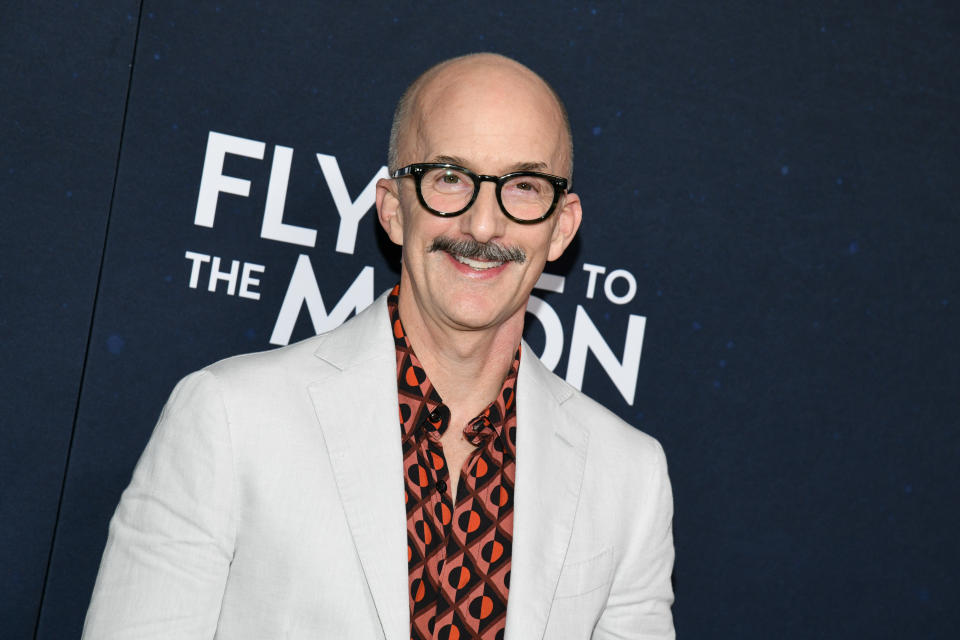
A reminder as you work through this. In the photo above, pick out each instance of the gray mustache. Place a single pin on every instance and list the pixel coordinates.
(478, 250)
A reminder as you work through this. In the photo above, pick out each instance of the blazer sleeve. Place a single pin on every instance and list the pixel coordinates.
(172, 536)
(641, 595)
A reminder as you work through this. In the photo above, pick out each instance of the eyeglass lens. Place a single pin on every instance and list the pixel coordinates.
(448, 191)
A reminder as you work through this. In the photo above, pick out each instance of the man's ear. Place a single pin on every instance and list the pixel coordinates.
(565, 226)
(388, 209)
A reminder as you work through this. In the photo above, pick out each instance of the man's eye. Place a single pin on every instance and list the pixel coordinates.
(451, 178)
(529, 187)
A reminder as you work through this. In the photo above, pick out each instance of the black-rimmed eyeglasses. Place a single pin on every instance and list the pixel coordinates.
(447, 190)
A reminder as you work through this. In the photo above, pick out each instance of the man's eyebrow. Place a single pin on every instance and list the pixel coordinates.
(460, 162)
(530, 166)
(520, 166)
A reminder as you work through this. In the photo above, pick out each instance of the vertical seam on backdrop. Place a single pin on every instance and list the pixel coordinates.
(93, 314)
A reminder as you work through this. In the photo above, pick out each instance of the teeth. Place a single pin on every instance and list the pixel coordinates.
(477, 264)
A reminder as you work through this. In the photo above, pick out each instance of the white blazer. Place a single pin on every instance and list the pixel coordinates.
(269, 504)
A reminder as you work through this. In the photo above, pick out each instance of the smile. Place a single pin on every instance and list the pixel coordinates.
(480, 265)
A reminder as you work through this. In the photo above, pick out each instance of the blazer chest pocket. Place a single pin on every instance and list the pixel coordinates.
(583, 576)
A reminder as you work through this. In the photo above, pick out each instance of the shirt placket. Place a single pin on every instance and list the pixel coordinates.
(478, 432)
(440, 509)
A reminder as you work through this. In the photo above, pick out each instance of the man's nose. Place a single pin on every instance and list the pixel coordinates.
(484, 221)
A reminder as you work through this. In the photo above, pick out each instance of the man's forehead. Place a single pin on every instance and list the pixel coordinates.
(500, 152)
(470, 163)
(520, 165)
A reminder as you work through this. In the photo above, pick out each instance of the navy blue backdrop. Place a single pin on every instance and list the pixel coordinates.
(766, 279)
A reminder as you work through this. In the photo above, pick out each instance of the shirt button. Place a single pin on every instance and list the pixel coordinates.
(441, 486)
(435, 415)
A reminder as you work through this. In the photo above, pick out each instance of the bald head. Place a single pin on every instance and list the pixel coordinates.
(500, 81)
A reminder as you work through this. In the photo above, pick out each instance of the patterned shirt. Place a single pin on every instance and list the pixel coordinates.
(458, 552)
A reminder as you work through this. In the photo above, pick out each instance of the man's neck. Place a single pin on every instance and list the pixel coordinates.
(466, 367)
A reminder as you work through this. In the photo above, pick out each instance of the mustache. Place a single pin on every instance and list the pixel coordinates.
(478, 250)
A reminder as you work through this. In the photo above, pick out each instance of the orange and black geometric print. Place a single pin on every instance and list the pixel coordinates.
(458, 551)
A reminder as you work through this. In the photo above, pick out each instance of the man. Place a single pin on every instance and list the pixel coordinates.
(279, 498)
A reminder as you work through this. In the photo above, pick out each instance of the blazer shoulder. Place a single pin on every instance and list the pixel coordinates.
(258, 367)
(608, 431)
(356, 340)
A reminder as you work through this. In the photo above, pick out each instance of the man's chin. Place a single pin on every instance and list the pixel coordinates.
(479, 312)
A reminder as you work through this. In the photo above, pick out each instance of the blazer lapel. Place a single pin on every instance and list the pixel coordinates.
(356, 405)
(551, 454)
